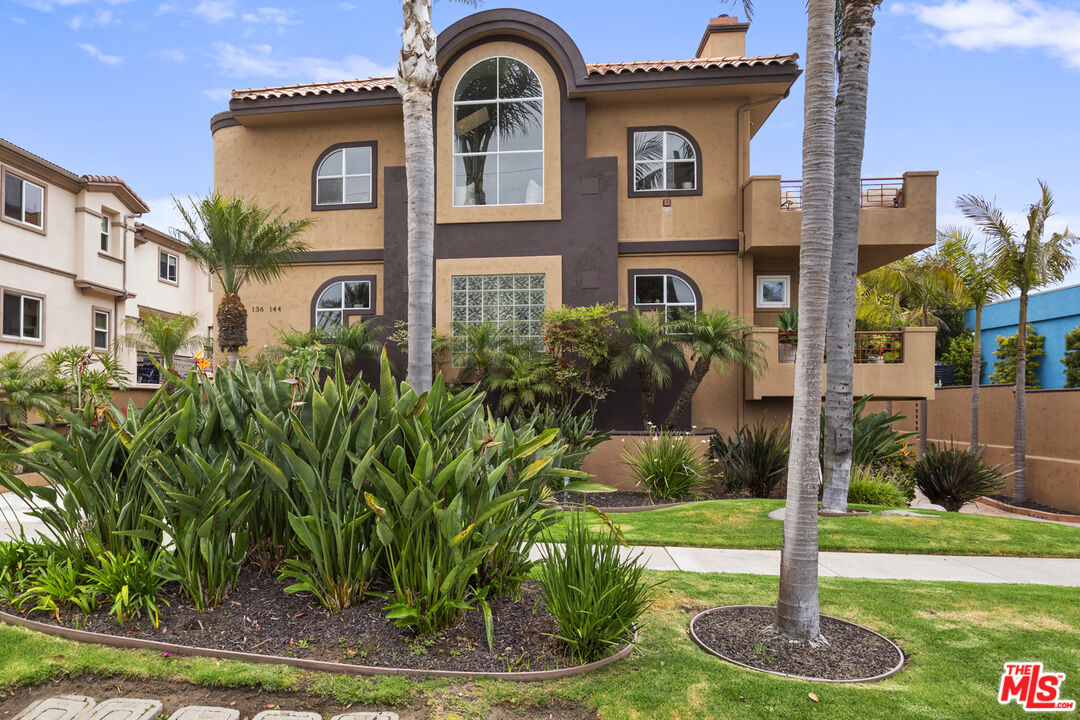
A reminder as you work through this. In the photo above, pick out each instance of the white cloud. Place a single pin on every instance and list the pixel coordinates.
(93, 52)
(259, 61)
(50, 5)
(271, 15)
(217, 95)
(346, 6)
(17, 20)
(76, 22)
(103, 17)
(215, 11)
(995, 24)
(176, 56)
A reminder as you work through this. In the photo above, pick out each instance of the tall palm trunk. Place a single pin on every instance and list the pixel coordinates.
(232, 327)
(1020, 493)
(416, 74)
(797, 613)
(976, 376)
(697, 375)
(857, 26)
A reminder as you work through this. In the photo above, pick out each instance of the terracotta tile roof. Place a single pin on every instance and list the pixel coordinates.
(594, 69)
(114, 180)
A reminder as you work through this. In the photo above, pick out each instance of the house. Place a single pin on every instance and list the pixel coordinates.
(1052, 314)
(561, 182)
(75, 263)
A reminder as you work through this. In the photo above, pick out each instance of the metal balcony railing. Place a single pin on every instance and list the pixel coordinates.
(874, 193)
(872, 347)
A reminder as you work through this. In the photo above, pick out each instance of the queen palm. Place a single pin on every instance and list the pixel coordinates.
(982, 283)
(27, 387)
(1026, 262)
(654, 352)
(165, 336)
(238, 242)
(714, 338)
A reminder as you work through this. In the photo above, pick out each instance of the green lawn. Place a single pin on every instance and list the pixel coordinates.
(957, 637)
(745, 524)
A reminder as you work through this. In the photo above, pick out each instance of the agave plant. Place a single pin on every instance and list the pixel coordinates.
(953, 477)
(754, 459)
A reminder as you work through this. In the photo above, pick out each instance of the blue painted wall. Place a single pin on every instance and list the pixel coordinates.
(1053, 313)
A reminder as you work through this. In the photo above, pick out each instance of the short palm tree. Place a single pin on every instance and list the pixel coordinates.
(345, 343)
(480, 349)
(163, 336)
(714, 338)
(237, 241)
(1025, 261)
(654, 352)
(526, 378)
(921, 283)
(26, 387)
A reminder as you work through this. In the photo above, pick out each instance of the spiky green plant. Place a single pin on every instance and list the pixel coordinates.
(953, 477)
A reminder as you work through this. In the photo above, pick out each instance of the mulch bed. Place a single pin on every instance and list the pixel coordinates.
(261, 618)
(625, 498)
(1030, 505)
(853, 653)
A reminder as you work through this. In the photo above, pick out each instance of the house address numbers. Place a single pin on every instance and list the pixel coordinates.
(265, 308)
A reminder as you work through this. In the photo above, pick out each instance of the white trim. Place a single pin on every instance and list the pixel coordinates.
(345, 175)
(341, 309)
(664, 161)
(23, 297)
(759, 284)
(175, 266)
(106, 230)
(665, 304)
(497, 152)
(108, 321)
(22, 201)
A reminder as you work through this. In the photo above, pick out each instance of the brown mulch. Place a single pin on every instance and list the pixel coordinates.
(259, 617)
(852, 652)
(1031, 505)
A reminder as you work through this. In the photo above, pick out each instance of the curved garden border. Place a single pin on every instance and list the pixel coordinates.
(320, 665)
(701, 643)
(1030, 512)
(629, 508)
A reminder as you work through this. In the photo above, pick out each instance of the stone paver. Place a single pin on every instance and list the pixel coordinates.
(64, 707)
(367, 716)
(124, 709)
(200, 712)
(287, 715)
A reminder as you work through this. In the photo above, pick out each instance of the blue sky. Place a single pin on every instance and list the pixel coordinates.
(985, 91)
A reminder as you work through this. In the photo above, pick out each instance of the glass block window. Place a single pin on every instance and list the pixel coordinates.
(517, 300)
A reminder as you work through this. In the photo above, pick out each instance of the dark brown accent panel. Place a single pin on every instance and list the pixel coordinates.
(222, 120)
(681, 247)
(346, 314)
(338, 256)
(374, 145)
(631, 164)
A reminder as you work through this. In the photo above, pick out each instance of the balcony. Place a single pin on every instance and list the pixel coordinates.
(896, 364)
(898, 216)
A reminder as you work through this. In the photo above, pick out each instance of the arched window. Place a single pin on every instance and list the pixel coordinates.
(341, 298)
(665, 162)
(499, 135)
(669, 294)
(345, 177)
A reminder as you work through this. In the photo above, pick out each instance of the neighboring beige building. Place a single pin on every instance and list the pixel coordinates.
(75, 263)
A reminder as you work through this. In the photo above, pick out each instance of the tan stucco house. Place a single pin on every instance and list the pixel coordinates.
(75, 261)
(560, 182)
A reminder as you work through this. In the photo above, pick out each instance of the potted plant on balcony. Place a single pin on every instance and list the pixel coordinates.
(788, 322)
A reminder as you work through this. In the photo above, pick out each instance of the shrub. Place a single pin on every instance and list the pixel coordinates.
(593, 591)
(959, 355)
(752, 460)
(130, 583)
(670, 466)
(874, 441)
(952, 477)
(55, 587)
(868, 487)
(1071, 360)
(18, 560)
(1005, 367)
(575, 429)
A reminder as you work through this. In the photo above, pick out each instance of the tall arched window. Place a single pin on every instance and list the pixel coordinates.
(499, 135)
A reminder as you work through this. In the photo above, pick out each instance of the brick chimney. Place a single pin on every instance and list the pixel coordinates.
(724, 37)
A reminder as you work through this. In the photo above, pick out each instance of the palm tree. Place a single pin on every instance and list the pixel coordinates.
(982, 283)
(480, 349)
(165, 336)
(714, 338)
(798, 616)
(920, 283)
(654, 351)
(1026, 262)
(237, 241)
(26, 387)
(527, 378)
(417, 73)
(854, 26)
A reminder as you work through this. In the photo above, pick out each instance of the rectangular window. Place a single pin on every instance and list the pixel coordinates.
(168, 267)
(105, 233)
(22, 316)
(774, 291)
(24, 201)
(101, 330)
(516, 300)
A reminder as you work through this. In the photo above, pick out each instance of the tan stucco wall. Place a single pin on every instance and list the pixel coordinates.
(712, 123)
(551, 208)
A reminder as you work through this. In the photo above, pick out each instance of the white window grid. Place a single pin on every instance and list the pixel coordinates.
(759, 293)
(663, 161)
(668, 304)
(497, 152)
(343, 176)
(101, 330)
(328, 317)
(105, 229)
(171, 267)
(23, 301)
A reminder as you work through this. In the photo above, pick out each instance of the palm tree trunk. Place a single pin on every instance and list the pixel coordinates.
(232, 326)
(976, 377)
(797, 611)
(1020, 493)
(858, 23)
(693, 382)
(648, 396)
(416, 75)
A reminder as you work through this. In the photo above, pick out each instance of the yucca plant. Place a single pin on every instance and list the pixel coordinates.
(670, 466)
(595, 593)
(752, 460)
(953, 477)
(129, 583)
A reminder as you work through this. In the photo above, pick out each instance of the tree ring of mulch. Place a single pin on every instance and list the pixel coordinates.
(736, 634)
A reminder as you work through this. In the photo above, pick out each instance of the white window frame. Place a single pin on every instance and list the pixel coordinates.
(22, 201)
(759, 295)
(666, 303)
(23, 297)
(341, 310)
(345, 174)
(106, 230)
(175, 265)
(664, 162)
(497, 153)
(107, 329)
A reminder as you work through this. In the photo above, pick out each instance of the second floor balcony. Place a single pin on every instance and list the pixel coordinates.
(898, 217)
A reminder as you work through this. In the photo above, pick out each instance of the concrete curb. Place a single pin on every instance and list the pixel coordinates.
(1030, 512)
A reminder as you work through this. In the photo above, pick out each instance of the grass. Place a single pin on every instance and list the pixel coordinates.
(745, 524)
(957, 637)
